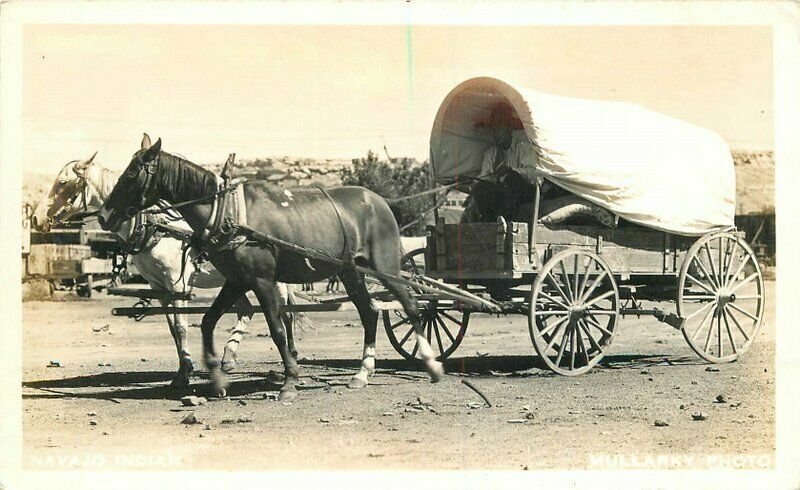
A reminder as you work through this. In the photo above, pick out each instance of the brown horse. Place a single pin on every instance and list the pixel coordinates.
(348, 222)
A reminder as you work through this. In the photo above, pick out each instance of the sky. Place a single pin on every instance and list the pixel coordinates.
(339, 91)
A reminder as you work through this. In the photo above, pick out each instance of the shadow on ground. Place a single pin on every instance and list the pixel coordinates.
(153, 385)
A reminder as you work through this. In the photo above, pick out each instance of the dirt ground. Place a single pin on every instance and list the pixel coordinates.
(108, 405)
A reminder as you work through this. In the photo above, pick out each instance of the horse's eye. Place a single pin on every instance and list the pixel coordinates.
(62, 181)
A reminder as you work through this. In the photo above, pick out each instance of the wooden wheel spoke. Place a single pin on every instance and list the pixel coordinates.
(741, 266)
(719, 333)
(743, 312)
(697, 260)
(711, 263)
(594, 285)
(558, 288)
(555, 324)
(592, 341)
(576, 276)
(416, 348)
(405, 338)
(554, 300)
(446, 330)
(702, 322)
(555, 335)
(596, 324)
(700, 296)
(710, 331)
(452, 319)
(743, 282)
(707, 305)
(438, 336)
(565, 279)
(395, 325)
(729, 251)
(599, 298)
(579, 292)
(581, 346)
(429, 331)
(738, 325)
(730, 334)
(700, 283)
(572, 349)
(563, 345)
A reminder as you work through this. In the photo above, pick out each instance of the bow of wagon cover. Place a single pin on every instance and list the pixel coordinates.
(644, 166)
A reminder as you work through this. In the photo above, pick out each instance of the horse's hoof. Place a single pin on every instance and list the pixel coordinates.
(435, 371)
(356, 382)
(220, 392)
(287, 395)
(228, 366)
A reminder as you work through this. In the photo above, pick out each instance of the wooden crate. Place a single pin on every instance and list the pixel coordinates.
(52, 259)
(476, 248)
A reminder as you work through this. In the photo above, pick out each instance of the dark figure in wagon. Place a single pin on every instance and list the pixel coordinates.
(351, 223)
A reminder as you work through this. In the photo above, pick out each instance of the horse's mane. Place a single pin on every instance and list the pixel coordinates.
(184, 179)
(108, 179)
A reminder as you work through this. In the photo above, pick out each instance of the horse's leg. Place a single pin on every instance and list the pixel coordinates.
(225, 299)
(357, 291)
(178, 332)
(287, 298)
(232, 346)
(411, 309)
(267, 293)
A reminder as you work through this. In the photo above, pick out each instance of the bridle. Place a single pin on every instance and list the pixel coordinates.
(150, 168)
(70, 203)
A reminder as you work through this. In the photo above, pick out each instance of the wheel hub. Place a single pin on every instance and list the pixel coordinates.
(576, 313)
(724, 298)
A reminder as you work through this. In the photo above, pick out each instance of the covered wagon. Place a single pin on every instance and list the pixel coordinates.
(670, 188)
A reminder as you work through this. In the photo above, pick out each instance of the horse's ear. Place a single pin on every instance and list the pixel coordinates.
(83, 165)
(89, 161)
(146, 142)
(151, 153)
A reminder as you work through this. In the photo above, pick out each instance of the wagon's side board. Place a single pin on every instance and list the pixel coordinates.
(501, 249)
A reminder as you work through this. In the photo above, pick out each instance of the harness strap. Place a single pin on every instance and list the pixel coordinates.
(347, 256)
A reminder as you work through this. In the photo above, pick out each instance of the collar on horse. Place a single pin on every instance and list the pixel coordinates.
(228, 213)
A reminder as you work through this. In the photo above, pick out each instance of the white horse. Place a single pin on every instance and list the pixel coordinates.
(83, 185)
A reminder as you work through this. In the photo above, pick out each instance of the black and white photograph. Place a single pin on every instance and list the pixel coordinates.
(400, 242)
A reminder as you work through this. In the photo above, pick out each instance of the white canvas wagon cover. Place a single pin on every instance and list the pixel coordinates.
(646, 167)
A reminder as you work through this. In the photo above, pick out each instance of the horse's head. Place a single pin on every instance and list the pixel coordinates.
(67, 196)
(135, 190)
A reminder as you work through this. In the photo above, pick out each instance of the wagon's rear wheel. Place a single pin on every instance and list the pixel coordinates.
(720, 297)
(574, 309)
(444, 326)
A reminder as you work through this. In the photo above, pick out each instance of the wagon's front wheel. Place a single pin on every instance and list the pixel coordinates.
(720, 297)
(574, 309)
(443, 326)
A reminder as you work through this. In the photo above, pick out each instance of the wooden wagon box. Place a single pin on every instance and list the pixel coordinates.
(500, 250)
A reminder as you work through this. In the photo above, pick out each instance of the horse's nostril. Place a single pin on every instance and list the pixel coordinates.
(101, 220)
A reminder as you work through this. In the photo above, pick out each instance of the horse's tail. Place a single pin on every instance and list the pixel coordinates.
(299, 318)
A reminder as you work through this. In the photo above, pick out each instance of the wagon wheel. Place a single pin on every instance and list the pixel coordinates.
(720, 297)
(574, 309)
(444, 327)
